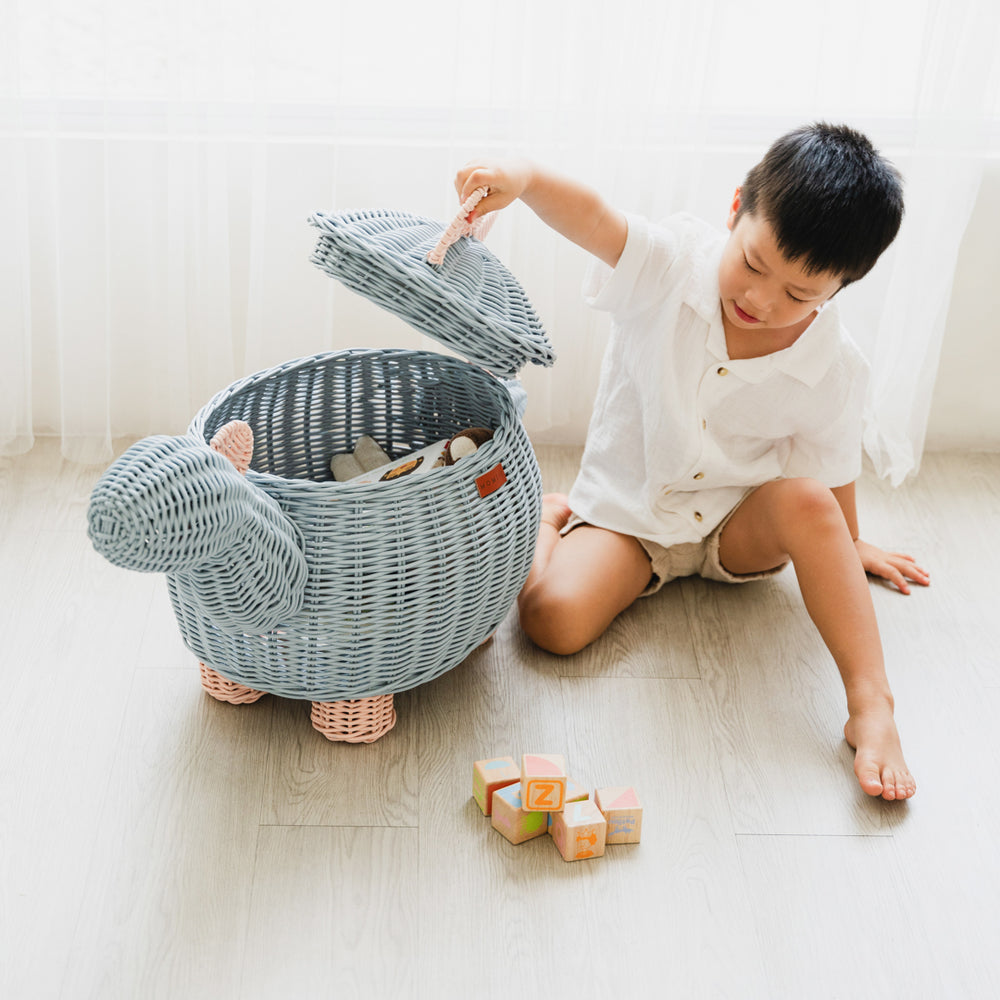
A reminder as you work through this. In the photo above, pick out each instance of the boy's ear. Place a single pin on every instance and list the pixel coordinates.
(734, 209)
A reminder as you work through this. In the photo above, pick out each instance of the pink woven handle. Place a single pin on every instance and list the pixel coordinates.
(462, 227)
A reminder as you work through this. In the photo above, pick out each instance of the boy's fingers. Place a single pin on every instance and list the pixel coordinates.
(487, 204)
(913, 572)
(892, 575)
(476, 179)
(896, 578)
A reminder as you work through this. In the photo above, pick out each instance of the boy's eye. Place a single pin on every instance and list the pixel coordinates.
(753, 270)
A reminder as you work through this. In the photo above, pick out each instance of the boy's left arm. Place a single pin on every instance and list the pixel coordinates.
(892, 566)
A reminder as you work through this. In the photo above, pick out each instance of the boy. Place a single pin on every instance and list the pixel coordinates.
(726, 434)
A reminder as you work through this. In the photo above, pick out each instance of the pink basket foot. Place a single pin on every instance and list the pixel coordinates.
(222, 690)
(361, 720)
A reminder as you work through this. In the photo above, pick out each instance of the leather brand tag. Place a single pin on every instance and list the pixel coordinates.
(490, 482)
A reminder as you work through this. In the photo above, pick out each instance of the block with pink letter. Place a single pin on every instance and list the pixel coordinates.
(579, 831)
(623, 811)
(543, 781)
(490, 775)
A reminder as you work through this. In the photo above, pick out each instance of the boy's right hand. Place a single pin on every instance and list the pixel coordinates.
(570, 208)
(506, 180)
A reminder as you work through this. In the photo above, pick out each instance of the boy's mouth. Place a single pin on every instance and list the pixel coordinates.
(745, 316)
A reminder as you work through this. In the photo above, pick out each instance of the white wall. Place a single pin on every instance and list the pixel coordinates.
(965, 413)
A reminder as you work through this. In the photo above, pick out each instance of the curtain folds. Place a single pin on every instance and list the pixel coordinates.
(158, 164)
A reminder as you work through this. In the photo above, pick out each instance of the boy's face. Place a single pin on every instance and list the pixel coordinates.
(760, 289)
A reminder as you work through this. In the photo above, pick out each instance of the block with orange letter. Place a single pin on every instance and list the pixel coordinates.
(543, 782)
(579, 831)
(623, 811)
(511, 820)
(490, 775)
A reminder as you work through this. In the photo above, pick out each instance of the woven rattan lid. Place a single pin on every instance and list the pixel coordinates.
(470, 301)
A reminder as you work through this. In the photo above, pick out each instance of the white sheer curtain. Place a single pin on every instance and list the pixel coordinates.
(158, 162)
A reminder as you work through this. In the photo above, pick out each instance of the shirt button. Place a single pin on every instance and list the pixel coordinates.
(721, 371)
(699, 475)
(667, 490)
(704, 424)
(697, 516)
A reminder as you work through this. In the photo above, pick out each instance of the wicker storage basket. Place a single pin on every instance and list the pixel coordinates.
(285, 581)
(405, 578)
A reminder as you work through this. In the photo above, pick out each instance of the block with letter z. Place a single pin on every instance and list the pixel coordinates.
(543, 782)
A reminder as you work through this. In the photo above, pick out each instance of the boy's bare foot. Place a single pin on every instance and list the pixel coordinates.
(878, 760)
(556, 510)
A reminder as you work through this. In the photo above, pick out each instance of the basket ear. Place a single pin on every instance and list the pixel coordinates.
(171, 505)
(259, 582)
(235, 441)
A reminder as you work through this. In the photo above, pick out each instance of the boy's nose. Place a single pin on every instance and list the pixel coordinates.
(759, 298)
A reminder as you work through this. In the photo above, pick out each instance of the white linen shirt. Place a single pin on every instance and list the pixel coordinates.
(680, 432)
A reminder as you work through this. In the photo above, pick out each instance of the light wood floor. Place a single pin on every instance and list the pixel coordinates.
(155, 843)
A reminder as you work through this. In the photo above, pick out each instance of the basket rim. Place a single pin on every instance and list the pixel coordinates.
(273, 483)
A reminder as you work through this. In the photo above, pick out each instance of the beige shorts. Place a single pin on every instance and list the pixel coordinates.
(688, 559)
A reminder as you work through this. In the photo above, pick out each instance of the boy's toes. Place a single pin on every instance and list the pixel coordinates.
(900, 786)
(889, 785)
(869, 778)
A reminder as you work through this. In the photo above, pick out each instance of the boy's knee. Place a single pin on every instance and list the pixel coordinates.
(808, 503)
(552, 619)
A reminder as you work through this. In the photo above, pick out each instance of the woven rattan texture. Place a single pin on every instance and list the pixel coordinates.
(222, 690)
(172, 505)
(470, 302)
(362, 720)
(405, 579)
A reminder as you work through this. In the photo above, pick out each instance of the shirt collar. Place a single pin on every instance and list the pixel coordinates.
(812, 355)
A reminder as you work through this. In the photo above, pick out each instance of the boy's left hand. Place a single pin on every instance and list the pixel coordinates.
(892, 566)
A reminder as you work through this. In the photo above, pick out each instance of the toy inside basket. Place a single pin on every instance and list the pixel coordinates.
(405, 578)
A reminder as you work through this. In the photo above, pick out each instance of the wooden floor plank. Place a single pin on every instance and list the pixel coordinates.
(835, 917)
(684, 876)
(73, 629)
(333, 914)
(312, 781)
(947, 846)
(154, 842)
(170, 879)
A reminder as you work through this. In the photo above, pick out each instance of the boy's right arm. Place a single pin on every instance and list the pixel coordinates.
(570, 208)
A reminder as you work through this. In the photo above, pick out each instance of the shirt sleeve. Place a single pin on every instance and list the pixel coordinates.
(638, 281)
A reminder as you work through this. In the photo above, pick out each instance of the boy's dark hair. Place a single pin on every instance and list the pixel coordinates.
(832, 200)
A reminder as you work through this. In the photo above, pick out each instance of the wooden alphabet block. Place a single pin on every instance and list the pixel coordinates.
(488, 776)
(579, 831)
(543, 781)
(510, 819)
(574, 793)
(623, 811)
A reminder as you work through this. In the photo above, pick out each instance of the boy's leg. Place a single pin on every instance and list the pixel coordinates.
(800, 519)
(578, 583)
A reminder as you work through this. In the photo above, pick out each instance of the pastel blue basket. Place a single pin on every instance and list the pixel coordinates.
(400, 580)
(405, 579)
